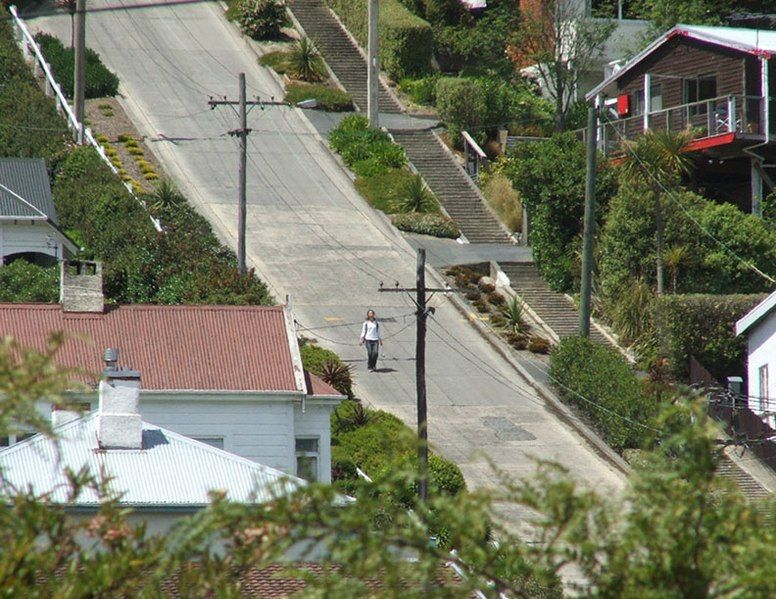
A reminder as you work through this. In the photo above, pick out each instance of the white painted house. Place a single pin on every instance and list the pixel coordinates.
(228, 376)
(759, 325)
(28, 219)
(161, 475)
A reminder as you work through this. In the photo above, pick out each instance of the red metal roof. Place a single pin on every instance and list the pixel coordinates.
(198, 348)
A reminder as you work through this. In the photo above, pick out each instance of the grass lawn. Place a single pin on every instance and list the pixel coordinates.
(276, 60)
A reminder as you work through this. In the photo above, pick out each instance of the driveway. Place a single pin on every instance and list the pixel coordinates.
(312, 237)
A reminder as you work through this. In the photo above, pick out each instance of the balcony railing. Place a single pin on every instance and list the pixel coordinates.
(708, 118)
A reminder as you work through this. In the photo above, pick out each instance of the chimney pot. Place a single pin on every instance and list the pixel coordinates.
(111, 357)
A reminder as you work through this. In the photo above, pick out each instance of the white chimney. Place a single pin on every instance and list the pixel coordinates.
(119, 425)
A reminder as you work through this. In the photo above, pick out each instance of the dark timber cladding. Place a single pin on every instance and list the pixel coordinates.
(684, 58)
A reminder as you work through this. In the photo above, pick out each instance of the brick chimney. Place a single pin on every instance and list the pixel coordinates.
(81, 286)
(119, 425)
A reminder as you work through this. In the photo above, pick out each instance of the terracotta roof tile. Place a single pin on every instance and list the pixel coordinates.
(235, 348)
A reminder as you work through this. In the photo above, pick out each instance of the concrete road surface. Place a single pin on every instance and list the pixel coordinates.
(311, 236)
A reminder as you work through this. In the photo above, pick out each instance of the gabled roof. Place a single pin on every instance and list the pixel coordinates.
(181, 348)
(756, 314)
(752, 41)
(170, 471)
(24, 189)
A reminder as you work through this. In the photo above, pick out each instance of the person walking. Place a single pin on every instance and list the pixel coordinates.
(370, 335)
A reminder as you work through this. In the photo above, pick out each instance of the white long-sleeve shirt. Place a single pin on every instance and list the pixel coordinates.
(370, 331)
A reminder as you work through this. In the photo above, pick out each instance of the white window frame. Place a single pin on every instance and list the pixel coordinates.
(308, 454)
(762, 381)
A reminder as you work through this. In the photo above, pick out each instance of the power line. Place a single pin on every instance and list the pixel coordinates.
(673, 198)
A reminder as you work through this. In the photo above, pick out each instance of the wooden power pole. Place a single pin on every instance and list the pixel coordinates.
(373, 72)
(589, 225)
(79, 69)
(423, 311)
(242, 133)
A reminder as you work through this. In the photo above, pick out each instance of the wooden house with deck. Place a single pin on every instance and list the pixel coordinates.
(719, 82)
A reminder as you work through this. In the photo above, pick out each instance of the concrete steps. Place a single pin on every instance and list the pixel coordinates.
(339, 51)
(750, 488)
(553, 308)
(452, 186)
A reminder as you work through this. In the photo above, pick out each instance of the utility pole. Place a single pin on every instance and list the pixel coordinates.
(420, 290)
(589, 224)
(242, 133)
(373, 73)
(79, 70)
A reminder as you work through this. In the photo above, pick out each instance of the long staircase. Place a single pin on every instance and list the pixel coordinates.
(750, 488)
(339, 51)
(555, 309)
(452, 186)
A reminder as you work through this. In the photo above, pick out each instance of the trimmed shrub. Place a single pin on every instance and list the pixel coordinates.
(314, 357)
(99, 80)
(703, 326)
(460, 103)
(261, 19)
(21, 281)
(598, 380)
(355, 141)
(405, 39)
(331, 99)
(436, 225)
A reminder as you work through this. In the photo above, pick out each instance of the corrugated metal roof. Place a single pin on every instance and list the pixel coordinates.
(756, 314)
(28, 178)
(199, 348)
(170, 469)
(753, 41)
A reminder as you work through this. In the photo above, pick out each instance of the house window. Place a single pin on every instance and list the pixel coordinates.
(217, 442)
(307, 458)
(9, 440)
(699, 89)
(656, 100)
(762, 376)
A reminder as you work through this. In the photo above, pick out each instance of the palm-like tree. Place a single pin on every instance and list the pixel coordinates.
(673, 258)
(660, 160)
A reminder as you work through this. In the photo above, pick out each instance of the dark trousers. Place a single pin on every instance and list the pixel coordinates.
(372, 350)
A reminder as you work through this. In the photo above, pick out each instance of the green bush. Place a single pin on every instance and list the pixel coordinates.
(405, 39)
(436, 225)
(549, 176)
(21, 281)
(331, 99)
(29, 123)
(261, 19)
(378, 442)
(355, 141)
(703, 326)
(185, 265)
(314, 358)
(421, 91)
(99, 80)
(627, 246)
(278, 60)
(460, 103)
(598, 380)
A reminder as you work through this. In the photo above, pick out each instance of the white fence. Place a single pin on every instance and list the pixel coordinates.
(81, 134)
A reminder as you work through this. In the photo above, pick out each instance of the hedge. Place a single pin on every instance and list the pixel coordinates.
(405, 40)
(100, 81)
(598, 380)
(21, 281)
(703, 326)
(184, 265)
(24, 108)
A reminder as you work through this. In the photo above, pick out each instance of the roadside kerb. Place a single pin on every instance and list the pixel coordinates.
(551, 399)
